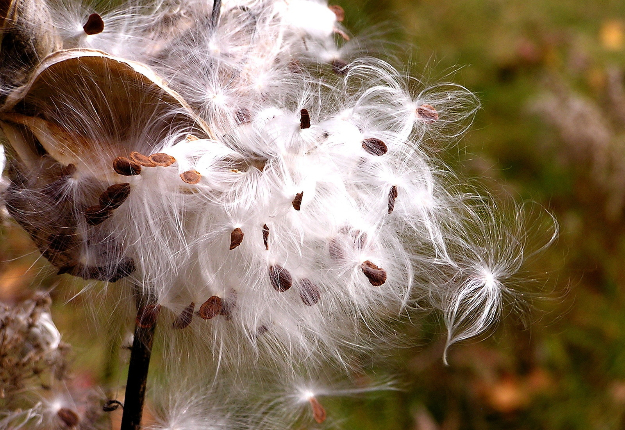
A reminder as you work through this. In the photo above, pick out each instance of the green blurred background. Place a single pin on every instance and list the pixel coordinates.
(551, 130)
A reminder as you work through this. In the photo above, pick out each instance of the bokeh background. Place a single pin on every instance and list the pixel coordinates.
(551, 131)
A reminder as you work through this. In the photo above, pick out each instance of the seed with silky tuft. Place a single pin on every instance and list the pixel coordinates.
(297, 201)
(392, 195)
(427, 113)
(147, 315)
(236, 237)
(374, 146)
(126, 167)
(309, 292)
(280, 278)
(191, 177)
(266, 236)
(211, 308)
(161, 159)
(243, 116)
(94, 25)
(69, 417)
(141, 159)
(319, 413)
(375, 274)
(184, 319)
(304, 120)
(114, 196)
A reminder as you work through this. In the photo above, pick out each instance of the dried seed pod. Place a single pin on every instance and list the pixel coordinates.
(427, 113)
(374, 146)
(236, 237)
(266, 236)
(392, 195)
(142, 160)
(304, 120)
(161, 159)
(280, 278)
(147, 315)
(97, 214)
(309, 292)
(319, 413)
(112, 405)
(339, 67)
(184, 319)
(211, 308)
(375, 274)
(126, 167)
(297, 201)
(94, 25)
(69, 417)
(191, 177)
(243, 116)
(114, 196)
(338, 11)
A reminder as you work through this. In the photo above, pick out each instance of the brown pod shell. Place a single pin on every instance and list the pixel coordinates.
(392, 195)
(184, 319)
(69, 417)
(211, 308)
(94, 24)
(280, 278)
(427, 113)
(114, 196)
(375, 274)
(309, 292)
(297, 201)
(236, 237)
(374, 146)
(126, 167)
(319, 413)
(147, 315)
(304, 120)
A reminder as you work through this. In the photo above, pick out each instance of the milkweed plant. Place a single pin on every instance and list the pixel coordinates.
(265, 188)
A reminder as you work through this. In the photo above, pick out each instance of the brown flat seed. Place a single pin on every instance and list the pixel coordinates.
(211, 308)
(427, 113)
(97, 214)
(297, 201)
(114, 196)
(280, 278)
(125, 166)
(162, 159)
(61, 242)
(304, 119)
(319, 413)
(147, 315)
(392, 195)
(266, 236)
(243, 116)
(184, 319)
(338, 11)
(94, 25)
(375, 274)
(69, 417)
(339, 67)
(309, 292)
(336, 250)
(374, 146)
(191, 177)
(141, 159)
(236, 237)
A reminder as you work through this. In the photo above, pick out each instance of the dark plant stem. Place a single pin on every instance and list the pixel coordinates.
(138, 368)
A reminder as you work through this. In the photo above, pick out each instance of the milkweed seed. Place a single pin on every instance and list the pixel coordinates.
(161, 159)
(61, 242)
(114, 196)
(336, 250)
(94, 25)
(304, 120)
(338, 11)
(243, 116)
(392, 195)
(191, 177)
(226, 309)
(68, 170)
(266, 236)
(374, 146)
(236, 237)
(126, 167)
(427, 113)
(280, 278)
(309, 292)
(123, 269)
(95, 215)
(142, 160)
(297, 201)
(211, 308)
(147, 315)
(339, 67)
(112, 405)
(69, 417)
(184, 319)
(319, 413)
(375, 274)
(261, 330)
